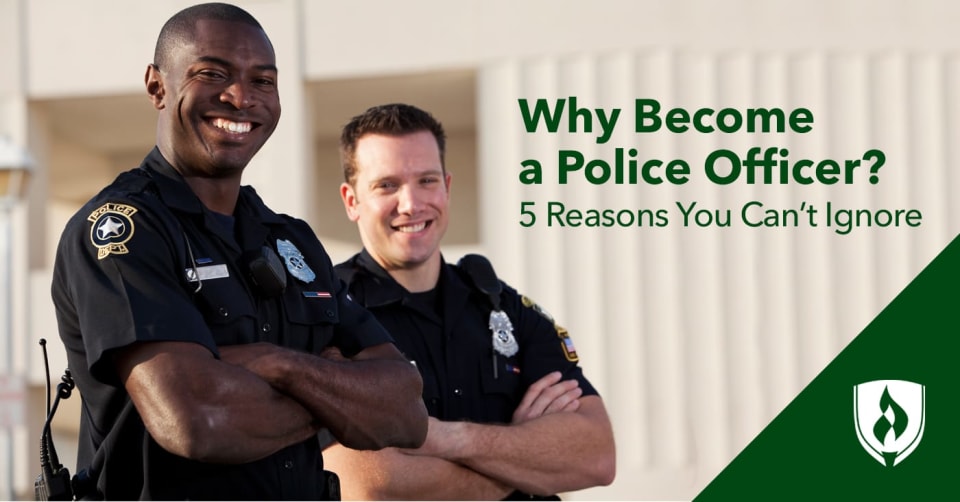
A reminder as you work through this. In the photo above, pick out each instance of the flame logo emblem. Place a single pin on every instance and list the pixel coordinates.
(889, 418)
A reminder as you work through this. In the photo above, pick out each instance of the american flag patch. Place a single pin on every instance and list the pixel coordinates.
(512, 369)
(569, 351)
(317, 294)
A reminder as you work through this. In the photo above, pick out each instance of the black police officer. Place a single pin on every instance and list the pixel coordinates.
(208, 335)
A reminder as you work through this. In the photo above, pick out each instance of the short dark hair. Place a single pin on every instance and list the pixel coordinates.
(179, 28)
(395, 119)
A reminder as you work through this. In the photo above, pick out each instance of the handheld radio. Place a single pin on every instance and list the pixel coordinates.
(53, 483)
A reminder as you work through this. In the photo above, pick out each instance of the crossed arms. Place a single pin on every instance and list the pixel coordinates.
(557, 441)
(261, 397)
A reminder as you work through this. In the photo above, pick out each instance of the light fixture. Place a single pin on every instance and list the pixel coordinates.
(15, 165)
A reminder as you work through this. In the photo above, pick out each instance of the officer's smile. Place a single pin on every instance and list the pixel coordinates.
(231, 126)
(230, 129)
(413, 227)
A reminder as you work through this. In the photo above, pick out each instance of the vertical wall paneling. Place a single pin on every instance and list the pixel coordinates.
(814, 302)
(698, 335)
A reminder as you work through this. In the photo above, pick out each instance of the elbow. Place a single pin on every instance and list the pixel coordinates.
(190, 437)
(604, 470)
(197, 444)
(596, 470)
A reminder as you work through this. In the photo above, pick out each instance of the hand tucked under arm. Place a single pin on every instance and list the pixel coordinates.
(390, 474)
(200, 408)
(368, 402)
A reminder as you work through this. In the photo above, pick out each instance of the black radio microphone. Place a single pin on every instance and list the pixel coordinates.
(53, 483)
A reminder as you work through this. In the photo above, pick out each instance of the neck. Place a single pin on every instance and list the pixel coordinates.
(217, 194)
(418, 278)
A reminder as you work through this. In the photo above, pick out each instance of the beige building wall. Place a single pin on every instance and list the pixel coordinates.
(696, 338)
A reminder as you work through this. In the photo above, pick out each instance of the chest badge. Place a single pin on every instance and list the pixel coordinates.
(294, 260)
(503, 340)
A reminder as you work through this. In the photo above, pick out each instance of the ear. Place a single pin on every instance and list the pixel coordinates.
(155, 89)
(447, 179)
(349, 197)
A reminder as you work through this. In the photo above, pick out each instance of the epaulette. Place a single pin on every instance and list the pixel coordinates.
(482, 277)
(134, 181)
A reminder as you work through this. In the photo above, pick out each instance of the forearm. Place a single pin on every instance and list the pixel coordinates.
(250, 421)
(367, 403)
(200, 408)
(389, 474)
(551, 454)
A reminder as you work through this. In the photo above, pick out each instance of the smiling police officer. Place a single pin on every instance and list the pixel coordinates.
(512, 415)
(208, 335)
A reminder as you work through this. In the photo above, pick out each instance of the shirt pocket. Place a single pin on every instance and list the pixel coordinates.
(500, 375)
(228, 311)
(311, 317)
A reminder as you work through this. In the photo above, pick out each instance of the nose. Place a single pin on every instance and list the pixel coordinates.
(236, 94)
(407, 200)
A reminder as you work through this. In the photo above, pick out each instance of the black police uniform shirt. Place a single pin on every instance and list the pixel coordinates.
(145, 261)
(447, 337)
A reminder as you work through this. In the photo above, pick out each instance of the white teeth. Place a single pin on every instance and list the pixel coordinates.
(234, 127)
(412, 228)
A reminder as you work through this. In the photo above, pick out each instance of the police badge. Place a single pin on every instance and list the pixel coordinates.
(111, 229)
(294, 261)
(503, 340)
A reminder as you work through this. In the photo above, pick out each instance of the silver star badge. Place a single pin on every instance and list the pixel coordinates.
(503, 340)
(294, 261)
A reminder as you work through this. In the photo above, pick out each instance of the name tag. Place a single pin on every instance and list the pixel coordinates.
(207, 272)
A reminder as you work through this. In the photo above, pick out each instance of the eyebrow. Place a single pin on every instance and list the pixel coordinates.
(419, 174)
(224, 62)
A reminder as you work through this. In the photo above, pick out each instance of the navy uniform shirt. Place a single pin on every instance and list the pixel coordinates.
(145, 261)
(448, 338)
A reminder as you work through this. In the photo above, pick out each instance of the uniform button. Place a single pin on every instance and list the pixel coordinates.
(458, 391)
(224, 312)
(288, 464)
(329, 313)
(266, 327)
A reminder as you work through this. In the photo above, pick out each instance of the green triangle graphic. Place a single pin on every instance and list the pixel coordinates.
(811, 450)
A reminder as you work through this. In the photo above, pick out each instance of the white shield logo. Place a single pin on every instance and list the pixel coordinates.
(889, 417)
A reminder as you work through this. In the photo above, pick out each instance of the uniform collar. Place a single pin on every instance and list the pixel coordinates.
(177, 194)
(385, 290)
(173, 189)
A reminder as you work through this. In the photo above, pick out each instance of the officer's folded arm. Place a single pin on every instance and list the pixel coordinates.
(391, 474)
(553, 453)
(368, 402)
(201, 408)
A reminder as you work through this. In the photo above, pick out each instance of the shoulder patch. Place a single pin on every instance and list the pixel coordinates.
(527, 302)
(566, 343)
(111, 227)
